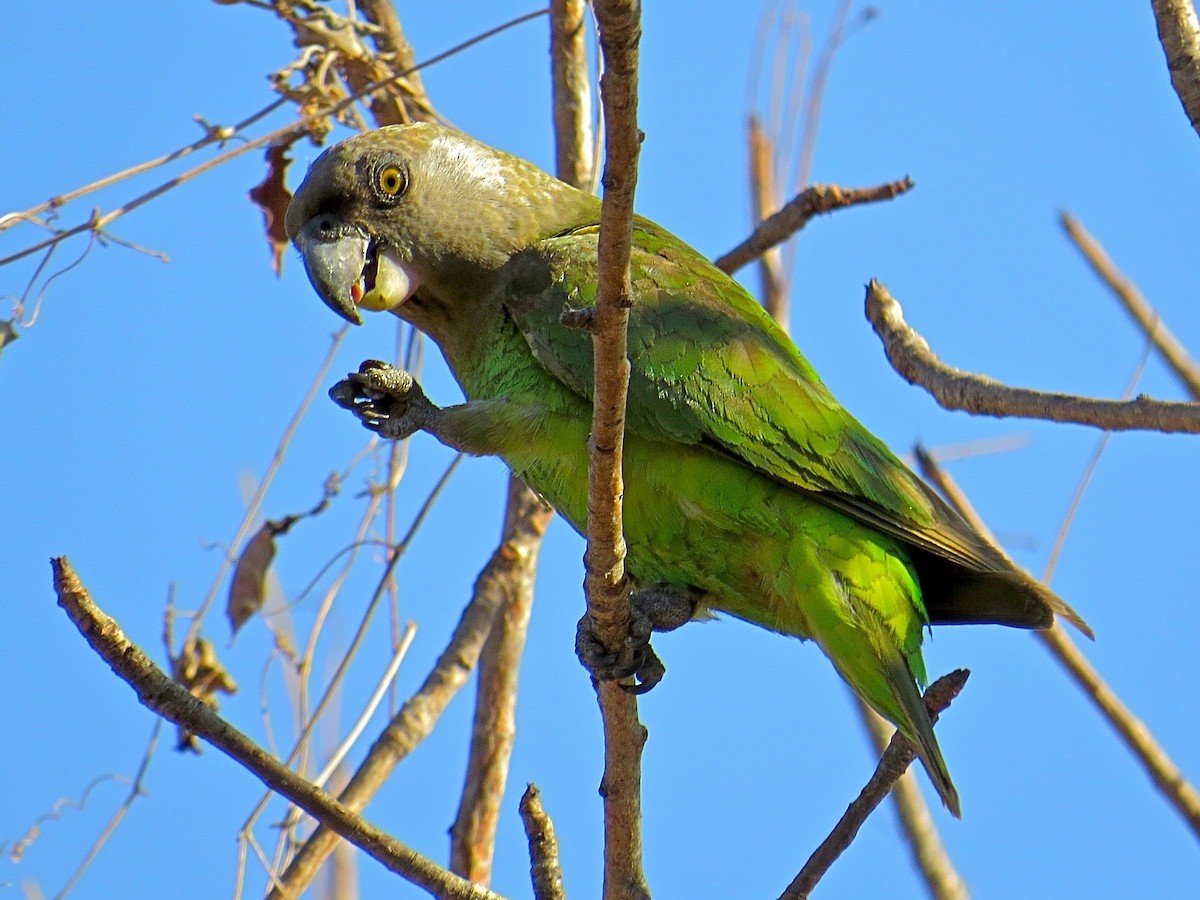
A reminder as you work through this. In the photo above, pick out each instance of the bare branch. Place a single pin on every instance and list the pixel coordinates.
(1179, 33)
(473, 835)
(543, 847)
(796, 213)
(1138, 739)
(762, 197)
(605, 581)
(929, 853)
(162, 694)
(1146, 316)
(896, 759)
(953, 388)
(572, 93)
(417, 718)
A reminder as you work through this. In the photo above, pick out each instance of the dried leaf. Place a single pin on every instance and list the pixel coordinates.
(198, 669)
(8, 334)
(272, 197)
(249, 586)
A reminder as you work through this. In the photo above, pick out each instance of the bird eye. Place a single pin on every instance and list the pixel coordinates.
(391, 181)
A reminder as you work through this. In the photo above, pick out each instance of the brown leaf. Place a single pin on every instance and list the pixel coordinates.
(198, 669)
(272, 197)
(249, 586)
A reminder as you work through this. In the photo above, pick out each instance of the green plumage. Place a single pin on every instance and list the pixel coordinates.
(745, 479)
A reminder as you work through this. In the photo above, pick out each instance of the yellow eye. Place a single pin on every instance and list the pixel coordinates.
(391, 181)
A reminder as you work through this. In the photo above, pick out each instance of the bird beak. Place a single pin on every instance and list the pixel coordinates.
(335, 255)
(348, 271)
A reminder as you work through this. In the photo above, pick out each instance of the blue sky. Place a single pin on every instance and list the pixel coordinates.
(146, 393)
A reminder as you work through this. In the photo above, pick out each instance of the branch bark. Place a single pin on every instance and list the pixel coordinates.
(159, 692)
(606, 585)
(896, 759)
(545, 869)
(953, 388)
(1179, 33)
(797, 212)
(473, 835)
(510, 563)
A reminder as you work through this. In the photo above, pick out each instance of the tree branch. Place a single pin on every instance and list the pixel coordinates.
(605, 581)
(796, 213)
(417, 718)
(1145, 315)
(572, 89)
(1138, 739)
(929, 853)
(953, 388)
(169, 699)
(1179, 33)
(543, 847)
(473, 835)
(896, 759)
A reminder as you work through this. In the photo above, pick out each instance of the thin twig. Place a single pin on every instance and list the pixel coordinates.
(953, 388)
(1179, 33)
(421, 712)
(1145, 315)
(929, 853)
(544, 867)
(605, 582)
(100, 221)
(252, 508)
(1138, 739)
(796, 213)
(896, 759)
(135, 791)
(169, 699)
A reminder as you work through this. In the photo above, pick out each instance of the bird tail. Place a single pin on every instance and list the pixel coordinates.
(914, 723)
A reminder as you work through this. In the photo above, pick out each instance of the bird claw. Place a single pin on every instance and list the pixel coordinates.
(387, 400)
(654, 608)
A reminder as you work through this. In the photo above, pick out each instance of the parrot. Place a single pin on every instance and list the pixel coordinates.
(749, 490)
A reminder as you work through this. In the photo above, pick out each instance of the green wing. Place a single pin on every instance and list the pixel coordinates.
(710, 367)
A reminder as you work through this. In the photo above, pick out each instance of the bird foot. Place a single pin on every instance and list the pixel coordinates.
(660, 607)
(387, 400)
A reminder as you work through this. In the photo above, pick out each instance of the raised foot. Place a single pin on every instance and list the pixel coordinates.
(659, 607)
(385, 399)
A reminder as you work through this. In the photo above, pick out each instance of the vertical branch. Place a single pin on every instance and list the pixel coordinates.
(764, 201)
(571, 85)
(607, 587)
(473, 835)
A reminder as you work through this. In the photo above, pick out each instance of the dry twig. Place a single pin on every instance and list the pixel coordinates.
(1141, 743)
(929, 853)
(953, 388)
(796, 213)
(162, 694)
(417, 718)
(1146, 316)
(896, 759)
(544, 866)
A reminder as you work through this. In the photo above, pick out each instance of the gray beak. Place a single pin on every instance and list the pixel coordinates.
(335, 254)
